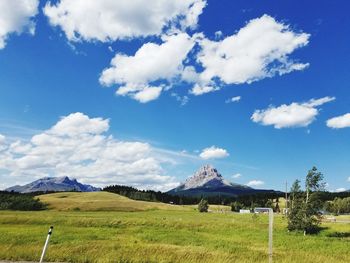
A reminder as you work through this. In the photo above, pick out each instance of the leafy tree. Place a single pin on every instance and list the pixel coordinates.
(304, 214)
(329, 206)
(203, 206)
(236, 206)
(295, 191)
(269, 203)
(313, 182)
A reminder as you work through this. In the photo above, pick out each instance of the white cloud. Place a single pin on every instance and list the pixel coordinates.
(259, 50)
(200, 90)
(292, 115)
(236, 176)
(16, 16)
(255, 183)
(78, 123)
(78, 146)
(340, 189)
(213, 153)
(233, 99)
(192, 13)
(109, 20)
(151, 63)
(339, 122)
(147, 94)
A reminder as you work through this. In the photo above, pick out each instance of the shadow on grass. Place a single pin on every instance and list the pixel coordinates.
(339, 234)
(316, 230)
(313, 231)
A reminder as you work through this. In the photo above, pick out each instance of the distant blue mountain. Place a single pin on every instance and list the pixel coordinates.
(53, 184)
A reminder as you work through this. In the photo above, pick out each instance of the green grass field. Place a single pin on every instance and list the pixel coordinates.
(160, 233)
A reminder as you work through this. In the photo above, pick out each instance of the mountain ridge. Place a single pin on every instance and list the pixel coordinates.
(53, 184)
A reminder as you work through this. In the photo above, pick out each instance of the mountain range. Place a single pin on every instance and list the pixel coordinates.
(207, 181)
(53, 184)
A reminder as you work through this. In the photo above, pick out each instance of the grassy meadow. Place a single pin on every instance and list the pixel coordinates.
(133, 231)
(101, 201)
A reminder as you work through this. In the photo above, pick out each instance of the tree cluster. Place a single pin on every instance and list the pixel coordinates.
(149, 195)
(17, 201)
(250, 200)
(338, 206)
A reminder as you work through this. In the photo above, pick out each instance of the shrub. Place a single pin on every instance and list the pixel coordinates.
(203, 206)
(236, 206)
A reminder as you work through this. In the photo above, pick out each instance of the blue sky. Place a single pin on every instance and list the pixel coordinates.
(166, 100)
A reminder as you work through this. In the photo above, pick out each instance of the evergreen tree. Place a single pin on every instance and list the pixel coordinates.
(277, 207)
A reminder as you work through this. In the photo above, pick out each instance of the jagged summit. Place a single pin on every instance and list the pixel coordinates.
(207, 176)
(47, 184)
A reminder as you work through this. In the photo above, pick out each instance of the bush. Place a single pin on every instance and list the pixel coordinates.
(203, 206)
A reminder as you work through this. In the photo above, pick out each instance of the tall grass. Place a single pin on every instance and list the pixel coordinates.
(163, 236)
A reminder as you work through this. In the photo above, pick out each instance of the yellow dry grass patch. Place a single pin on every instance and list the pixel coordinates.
(100, 201)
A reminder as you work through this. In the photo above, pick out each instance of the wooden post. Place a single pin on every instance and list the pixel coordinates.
(270, 234)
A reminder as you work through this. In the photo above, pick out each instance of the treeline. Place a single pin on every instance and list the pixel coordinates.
(150, 195)
(250, 205)
(251, 200)
(18, 201)
(329, 196)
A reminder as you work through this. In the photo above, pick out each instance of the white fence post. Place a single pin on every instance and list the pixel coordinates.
(270, 234)
(46, 244)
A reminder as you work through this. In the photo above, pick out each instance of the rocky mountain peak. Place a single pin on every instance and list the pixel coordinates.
(207, 181)
(205, 175)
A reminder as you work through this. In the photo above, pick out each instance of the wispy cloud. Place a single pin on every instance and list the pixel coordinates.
(236, 176)
(14, 130)
(233, 99)
(255, 183)
(342, 189)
